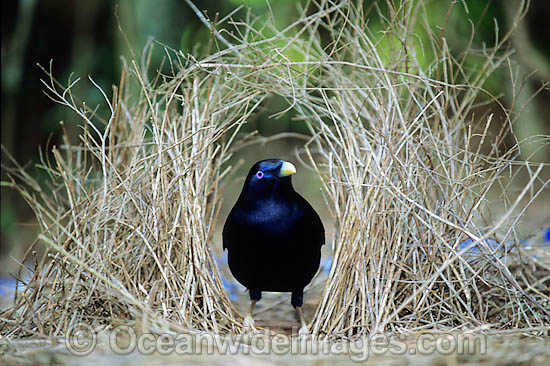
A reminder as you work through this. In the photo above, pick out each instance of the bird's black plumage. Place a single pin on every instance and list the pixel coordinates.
(272, 234)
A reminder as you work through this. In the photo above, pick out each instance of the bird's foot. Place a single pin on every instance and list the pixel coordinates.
(249, 323)
(303, 331)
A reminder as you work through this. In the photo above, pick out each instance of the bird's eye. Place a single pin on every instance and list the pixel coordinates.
(259, 174)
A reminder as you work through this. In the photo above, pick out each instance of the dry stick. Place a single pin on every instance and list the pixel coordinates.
(475, 241)
(325, 63)
(98, 275)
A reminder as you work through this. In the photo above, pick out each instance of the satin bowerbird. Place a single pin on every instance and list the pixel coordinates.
(273, 236)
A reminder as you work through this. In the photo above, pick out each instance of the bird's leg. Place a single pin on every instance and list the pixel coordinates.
(248, 320)
(303, 328)
(297, 301)
(255, 296)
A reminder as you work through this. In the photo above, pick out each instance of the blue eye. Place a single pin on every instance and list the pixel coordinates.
(259, 174)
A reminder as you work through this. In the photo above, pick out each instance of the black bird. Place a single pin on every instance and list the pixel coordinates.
(273, 236)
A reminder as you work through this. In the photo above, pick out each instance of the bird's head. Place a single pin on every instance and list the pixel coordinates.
(267, 176)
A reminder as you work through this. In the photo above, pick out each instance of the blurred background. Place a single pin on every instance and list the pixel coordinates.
(93, 37)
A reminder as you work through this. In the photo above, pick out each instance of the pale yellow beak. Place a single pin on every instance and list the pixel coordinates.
(287, 169)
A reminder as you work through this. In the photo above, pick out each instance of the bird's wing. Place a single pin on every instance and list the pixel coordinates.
(319, 228)
(227, 233)
(313, 221)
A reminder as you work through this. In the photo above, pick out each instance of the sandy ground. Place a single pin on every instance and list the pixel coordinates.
(497, 350)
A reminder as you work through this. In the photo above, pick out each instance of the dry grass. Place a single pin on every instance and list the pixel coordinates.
(406, 171)
(133, 206)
